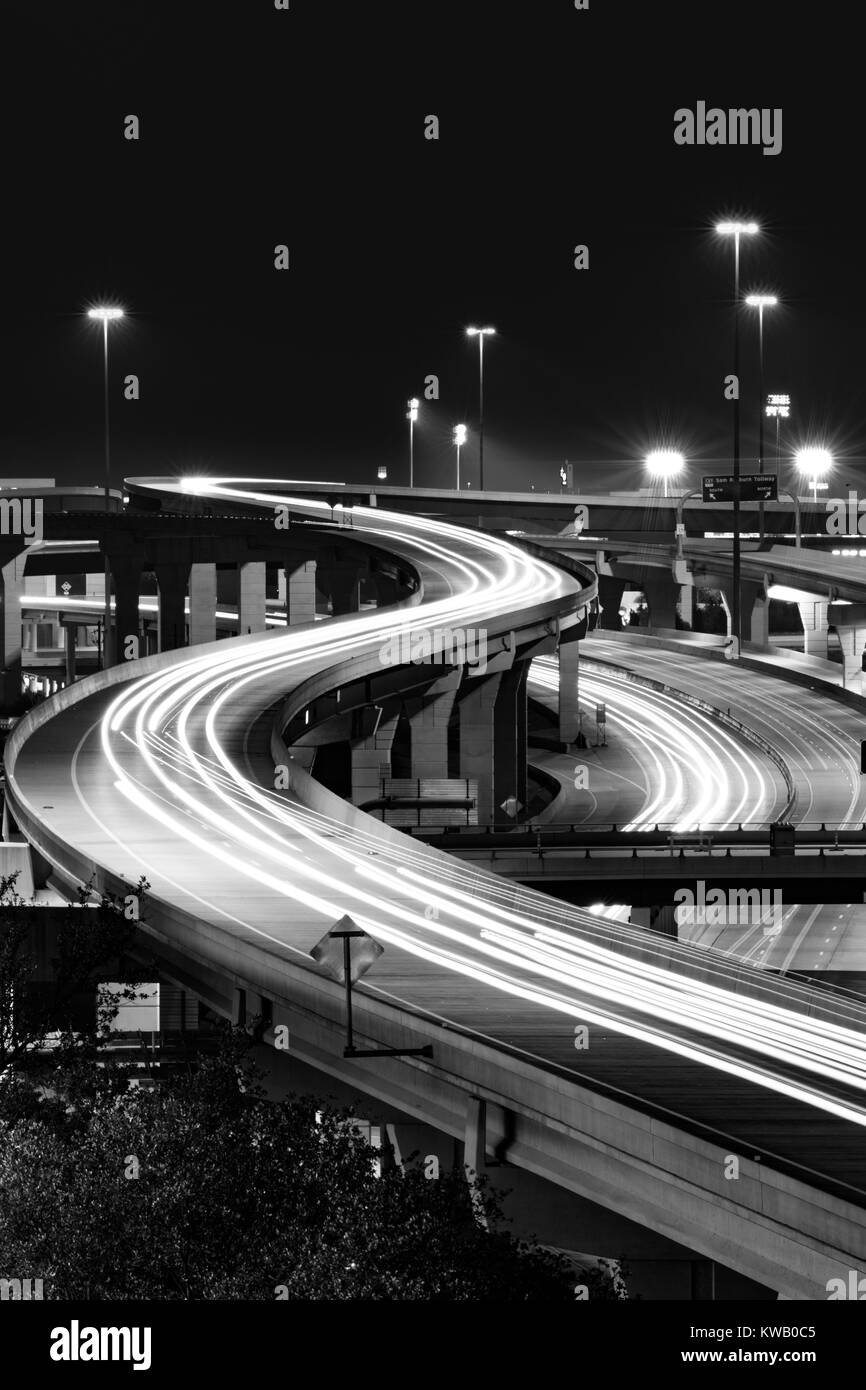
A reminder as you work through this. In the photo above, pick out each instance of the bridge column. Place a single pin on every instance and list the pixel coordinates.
(813, 614)
(126, 582)
(429, 717)
(476, 710)
(657, 919)
(343, 585)
(687, 605)
(252, 592)
(300, 591)
(388, 590)
(509, 743)
(610, 592)
(171, 581)
(11, 589)
(849, 620)
(371, 758)
(202, 604)
(661, 596)
(756, 607)
(569, 687)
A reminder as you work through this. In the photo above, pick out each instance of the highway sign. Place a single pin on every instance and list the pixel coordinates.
(754, 487)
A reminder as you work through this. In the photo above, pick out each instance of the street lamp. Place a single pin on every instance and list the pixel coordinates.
(778, 407)
(736, 230)
(480, 334)
(814, 464)
(761, 302)
(664, 463)
(106, 315)
(412, 416)
(459, 438)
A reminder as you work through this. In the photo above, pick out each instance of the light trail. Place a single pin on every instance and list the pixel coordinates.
(701, 772)
(164, 739)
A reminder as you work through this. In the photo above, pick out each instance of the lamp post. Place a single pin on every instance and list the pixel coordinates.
(664, 463)
(761, 302)
(459, 439)
(480, 334)
(106, 315)
(778, 407)
(736, 230)
(412, 416)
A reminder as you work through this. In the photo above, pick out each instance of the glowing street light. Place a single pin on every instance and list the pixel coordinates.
(665, 463)
(736, 230)
(814, 464)
(106, 314)
(459, 438)
(480, 334)
(412, 416)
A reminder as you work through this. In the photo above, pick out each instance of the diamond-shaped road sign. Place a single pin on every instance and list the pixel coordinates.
(330, 952)
(511, 806)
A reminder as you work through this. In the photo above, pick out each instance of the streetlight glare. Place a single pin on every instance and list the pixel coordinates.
(105, 313)
(815, 462)
(761, 301)
(737, 228)
(474, 332)
(664, 463)
(459, 434)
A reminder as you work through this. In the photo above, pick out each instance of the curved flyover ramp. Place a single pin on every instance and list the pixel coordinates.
(166, 768)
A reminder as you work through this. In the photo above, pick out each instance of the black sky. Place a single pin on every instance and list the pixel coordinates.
(260, 127)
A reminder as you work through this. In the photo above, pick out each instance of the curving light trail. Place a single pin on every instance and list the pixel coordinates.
(170, 740)
(700, 773)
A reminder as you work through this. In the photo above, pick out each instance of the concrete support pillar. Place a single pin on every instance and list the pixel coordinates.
(70, 631)
(300, 591)
(657, 919)
(11, 589)
(476, 709)
(509, 744)
(371, 758)
(342, 583)
(813, 613)
(429, 717)
(252, 593)
(849, 620)
(687, 605)
(126, 582)
(756, 613)
(703, 1280)
(202, 604)
(610, 592)
(171, 581)
(569, 709)
(661, 596)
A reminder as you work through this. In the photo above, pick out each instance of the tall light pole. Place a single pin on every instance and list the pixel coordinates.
(459, 438)
(412, 416)
(664, 463)
(761, 302)
(480, 334)
(106, 315)
(736, 230)
(778, 407)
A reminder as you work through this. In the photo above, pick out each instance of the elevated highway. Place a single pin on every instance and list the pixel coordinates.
(166, 767)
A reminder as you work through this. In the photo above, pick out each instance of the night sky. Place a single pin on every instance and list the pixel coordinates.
(261, 127)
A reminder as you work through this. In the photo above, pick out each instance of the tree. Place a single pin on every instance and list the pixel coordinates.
(48, 1015)
(203, 1188)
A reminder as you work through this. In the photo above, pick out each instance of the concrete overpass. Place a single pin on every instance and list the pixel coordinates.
(166, 766)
